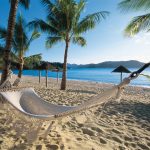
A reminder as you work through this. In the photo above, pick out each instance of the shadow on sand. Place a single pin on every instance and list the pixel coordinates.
(141, 111)
(81, 91)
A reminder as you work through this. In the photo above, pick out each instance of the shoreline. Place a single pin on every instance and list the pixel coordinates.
(145, 85)
(107, 83)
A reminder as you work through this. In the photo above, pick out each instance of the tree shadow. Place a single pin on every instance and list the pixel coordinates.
(141, 111)
(19, 147)
(81, 91)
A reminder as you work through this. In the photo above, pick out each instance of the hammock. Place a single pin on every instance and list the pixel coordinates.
(30, 104)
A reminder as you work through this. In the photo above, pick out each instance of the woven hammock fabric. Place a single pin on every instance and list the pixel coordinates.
(29, 103)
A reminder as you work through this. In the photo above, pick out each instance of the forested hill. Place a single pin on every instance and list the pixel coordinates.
(110, 64)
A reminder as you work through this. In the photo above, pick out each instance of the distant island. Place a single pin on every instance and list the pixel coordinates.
(109, 64)
(31, 65)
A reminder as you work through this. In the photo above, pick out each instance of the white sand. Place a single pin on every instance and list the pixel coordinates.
(117, 126)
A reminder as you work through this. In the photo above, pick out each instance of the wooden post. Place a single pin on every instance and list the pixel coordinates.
(46, 77)
(57, 76)
(121, 77)
(39, 76)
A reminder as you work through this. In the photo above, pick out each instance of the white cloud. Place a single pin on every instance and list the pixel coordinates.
(143, 38)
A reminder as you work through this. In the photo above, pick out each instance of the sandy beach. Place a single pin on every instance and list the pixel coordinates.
(114, 126)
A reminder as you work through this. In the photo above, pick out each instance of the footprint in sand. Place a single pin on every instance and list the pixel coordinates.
(148, 143)
(97, 129)
(52, 147)
(133, 145)
(103, 141)
(127, 138)
(147, 138)
(122, 148)
(3, 120)
(136, 138)
(2, 131)
(143, 146)
(148, 129)
(116, 139)
(88, 132)
(39, 147)
(116, 131)
(79, 139)
(126, 144)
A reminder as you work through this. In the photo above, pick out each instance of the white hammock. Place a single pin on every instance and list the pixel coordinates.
(29, 103)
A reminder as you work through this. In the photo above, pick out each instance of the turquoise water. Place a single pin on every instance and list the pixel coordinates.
(94, 75)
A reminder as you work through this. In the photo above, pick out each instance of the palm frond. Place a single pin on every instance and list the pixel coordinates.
(39, 24)
(137, 24)
(1, 50)
(25, 3)
(90, 21)
(79, 40)
(134, 5)
(47, 3)
(20, 38)
(35, 56)
(33, 37)
(3, 33)
(78, 9)
(33, 60)
(52, 41)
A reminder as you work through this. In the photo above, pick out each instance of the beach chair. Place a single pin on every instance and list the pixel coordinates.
(29, 104)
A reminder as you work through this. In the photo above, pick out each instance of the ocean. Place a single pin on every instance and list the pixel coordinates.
(102, 75)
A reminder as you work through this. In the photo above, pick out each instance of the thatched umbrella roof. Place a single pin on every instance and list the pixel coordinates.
(57, 69)
(44, 66)
(121, 69)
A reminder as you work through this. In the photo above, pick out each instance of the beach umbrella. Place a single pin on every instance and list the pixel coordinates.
(44, 66)
(57, 70)
(121, 69)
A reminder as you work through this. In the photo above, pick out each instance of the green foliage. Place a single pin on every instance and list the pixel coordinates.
(32, 61)
(134, 5)
(138, 23)
(21, 40)
(79, 40)
(24, 3)
(64, 22)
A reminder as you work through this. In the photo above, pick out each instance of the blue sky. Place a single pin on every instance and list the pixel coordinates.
(105, 43)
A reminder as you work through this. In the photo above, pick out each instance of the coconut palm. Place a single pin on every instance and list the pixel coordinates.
(138, 23)
(20, 41)
(10, 31)
(64, 23)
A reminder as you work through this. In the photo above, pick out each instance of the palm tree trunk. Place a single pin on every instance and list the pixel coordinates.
(10, 32)
(20, 68)
(64, 76)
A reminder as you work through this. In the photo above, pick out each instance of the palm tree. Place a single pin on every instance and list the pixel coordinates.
(10, 31)
(20, 41)
(138, 23)
(64, 23)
